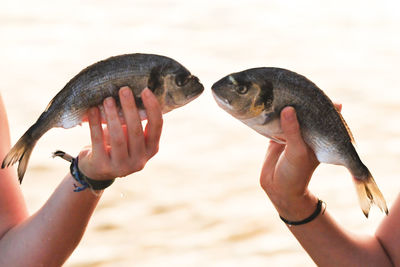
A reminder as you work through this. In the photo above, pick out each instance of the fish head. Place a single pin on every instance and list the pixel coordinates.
(181, 87)
(242, 95)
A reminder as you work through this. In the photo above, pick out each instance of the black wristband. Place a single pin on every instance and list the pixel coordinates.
(80, 177)
(308, 219)
(86, 181)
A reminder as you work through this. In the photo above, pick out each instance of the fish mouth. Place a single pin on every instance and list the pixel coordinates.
(214, 88)
(222, 102)
(196, 93)
(218, 84)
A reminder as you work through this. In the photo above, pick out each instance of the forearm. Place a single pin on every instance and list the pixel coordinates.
(49, 236)
(325, 241)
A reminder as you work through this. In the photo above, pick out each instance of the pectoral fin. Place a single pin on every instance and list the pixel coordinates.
(276, 139)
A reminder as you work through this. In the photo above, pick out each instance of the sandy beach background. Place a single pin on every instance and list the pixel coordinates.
(198, 202)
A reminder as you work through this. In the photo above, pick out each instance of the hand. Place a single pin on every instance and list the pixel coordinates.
(288, 169)
(123, 149)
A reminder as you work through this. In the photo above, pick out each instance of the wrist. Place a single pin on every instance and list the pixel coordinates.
(82, 179)
(295, 208)
(87, 182)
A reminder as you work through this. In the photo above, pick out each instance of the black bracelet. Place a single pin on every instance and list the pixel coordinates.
(308, 219)
(85, 181)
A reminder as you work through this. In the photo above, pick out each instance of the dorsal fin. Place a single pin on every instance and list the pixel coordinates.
(347, 128)
(48, 105)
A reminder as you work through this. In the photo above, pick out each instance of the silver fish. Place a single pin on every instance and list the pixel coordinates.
(172, 84)
(257, 96)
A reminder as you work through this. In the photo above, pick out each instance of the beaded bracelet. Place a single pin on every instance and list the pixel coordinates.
(308, 219)
(85, 181)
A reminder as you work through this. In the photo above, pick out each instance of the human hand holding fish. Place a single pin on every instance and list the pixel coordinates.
(288, 169)
(125, 148)
(285, 176)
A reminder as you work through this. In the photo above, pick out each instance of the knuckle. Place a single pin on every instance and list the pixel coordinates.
(120, 169)
(119, 141)
(139, 165)
(266, 181)
(264, 184)
(268, 187)
(154, 150)
(96, 138)
(137, 131)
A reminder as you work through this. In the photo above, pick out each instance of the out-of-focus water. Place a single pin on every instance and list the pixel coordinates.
(198, 202)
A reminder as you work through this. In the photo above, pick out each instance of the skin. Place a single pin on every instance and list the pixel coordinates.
(48, 237)
(285, 176)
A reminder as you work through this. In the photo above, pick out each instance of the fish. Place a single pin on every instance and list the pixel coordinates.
(172, 84)
(257, 96)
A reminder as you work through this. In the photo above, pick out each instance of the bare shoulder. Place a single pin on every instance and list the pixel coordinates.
(388, 232)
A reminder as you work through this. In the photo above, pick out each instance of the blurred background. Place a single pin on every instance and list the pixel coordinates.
(198, 202)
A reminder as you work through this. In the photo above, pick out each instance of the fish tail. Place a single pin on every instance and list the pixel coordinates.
(369, 193)
(21, 152)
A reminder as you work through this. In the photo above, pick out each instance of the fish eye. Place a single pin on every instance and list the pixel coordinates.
(242, 89)
(181, 80)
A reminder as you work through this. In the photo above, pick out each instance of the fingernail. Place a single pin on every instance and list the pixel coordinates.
(109, 102)
(126, 91)
(146, 92)
(289, 114)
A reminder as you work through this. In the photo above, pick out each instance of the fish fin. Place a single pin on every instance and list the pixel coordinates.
(49, 105)
(21, 152)
(368, 194)
(347, 128)
(276, 139)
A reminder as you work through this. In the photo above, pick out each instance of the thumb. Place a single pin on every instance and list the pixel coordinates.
(291, 128)
(296, 149)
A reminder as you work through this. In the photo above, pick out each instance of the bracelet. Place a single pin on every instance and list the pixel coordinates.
(308, 219)
(85, 181)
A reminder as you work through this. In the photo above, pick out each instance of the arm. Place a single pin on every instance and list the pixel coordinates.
(48, 237)
(285, 176)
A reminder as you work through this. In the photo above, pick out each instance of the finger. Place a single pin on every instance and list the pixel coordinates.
(296, 148)
(273, 153)
(106, 137)
(297, 151)
(119, 150)
(291, 128)
(154, 122)
(133, 122)
(96, 133)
